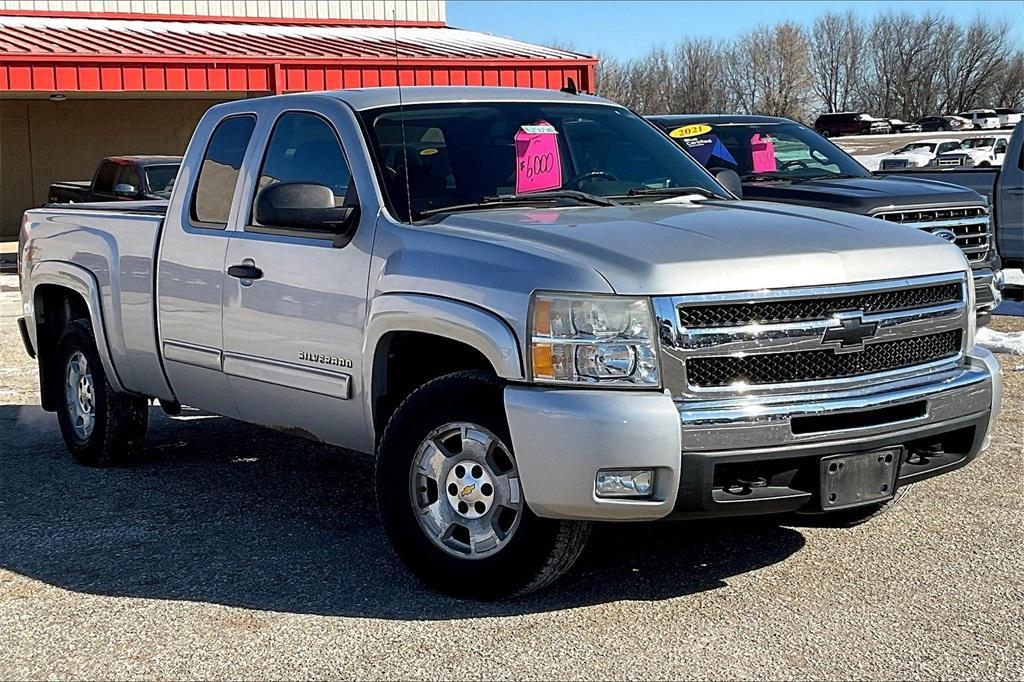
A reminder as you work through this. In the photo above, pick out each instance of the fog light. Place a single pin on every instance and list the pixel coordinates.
(624, 483)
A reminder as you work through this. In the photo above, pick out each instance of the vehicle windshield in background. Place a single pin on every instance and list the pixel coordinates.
(160, 179)
(978, 142)
(465, 154)
(916, 146)
(779, 151)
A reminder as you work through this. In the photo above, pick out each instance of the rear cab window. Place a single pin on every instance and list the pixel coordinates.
(218, 174)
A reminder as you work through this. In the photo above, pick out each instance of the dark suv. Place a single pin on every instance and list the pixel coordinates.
(851, 123)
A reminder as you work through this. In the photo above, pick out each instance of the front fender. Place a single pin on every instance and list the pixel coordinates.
(447, 318)
(82, 282)
(444, 317)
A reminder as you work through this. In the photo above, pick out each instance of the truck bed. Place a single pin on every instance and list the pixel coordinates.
(114, 244)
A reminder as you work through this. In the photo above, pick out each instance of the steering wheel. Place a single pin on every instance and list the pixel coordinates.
(578, 180)
(793, 163)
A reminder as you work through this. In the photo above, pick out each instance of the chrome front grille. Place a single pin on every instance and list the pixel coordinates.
(729, 314)
(968, 225)
(810, 339)
(816, 365)
(952, 161)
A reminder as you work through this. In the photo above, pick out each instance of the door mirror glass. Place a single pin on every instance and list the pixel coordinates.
(729, 179)
(123, 189)
(304, 206)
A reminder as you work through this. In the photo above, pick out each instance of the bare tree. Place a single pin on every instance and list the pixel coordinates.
(837, 53)
(974, 58)
(769, 69)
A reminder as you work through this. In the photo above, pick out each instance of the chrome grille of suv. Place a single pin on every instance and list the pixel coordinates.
(810, 338)
(969, 225)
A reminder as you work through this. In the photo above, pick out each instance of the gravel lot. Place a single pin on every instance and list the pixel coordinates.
(233, 552)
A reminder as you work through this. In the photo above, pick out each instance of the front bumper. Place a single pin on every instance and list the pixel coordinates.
(987, 293)
(562, 437)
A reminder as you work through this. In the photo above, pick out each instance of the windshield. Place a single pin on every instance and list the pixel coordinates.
(462, 154)
(783, 150)
(160, 179)
(976, 142)
(917, 146)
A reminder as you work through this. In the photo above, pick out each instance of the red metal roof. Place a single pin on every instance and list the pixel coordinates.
(53, 36)
(62, 53)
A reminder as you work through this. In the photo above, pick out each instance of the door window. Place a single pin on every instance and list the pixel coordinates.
(129, 176)
(215, 188)
(105, 178)
(304, 148)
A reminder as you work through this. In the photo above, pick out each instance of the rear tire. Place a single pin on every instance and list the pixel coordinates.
(449, 496)
(100, 426)
(850, 518)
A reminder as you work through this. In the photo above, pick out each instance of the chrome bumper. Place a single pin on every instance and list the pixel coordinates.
(987, 291)
(562, 437)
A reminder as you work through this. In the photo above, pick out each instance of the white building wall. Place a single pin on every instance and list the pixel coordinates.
(381, 10)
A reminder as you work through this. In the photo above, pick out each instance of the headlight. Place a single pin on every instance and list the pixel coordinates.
(597, 340)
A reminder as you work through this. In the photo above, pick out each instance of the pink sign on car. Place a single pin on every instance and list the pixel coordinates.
(538, 162)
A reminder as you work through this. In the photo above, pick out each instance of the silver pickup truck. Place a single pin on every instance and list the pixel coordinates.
(534, 310)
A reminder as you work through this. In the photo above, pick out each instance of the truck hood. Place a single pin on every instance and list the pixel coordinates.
(862, 195)
(713, 246)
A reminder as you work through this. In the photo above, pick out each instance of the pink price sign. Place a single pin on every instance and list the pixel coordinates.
(538, 163)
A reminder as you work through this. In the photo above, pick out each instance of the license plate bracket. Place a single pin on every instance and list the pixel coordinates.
(850, 480)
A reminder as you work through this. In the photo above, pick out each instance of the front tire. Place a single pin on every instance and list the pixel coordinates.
(450, 499)
(100, 426)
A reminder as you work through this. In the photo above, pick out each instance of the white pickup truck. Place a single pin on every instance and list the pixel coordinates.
(531, 307)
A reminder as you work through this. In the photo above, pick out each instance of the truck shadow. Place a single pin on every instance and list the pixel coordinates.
(223, 512)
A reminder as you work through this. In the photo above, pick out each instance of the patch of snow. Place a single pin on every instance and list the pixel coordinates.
(1001, 342)
(871, 161)
(1014, 277)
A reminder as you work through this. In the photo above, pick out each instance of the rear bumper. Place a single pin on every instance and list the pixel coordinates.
(562, 438)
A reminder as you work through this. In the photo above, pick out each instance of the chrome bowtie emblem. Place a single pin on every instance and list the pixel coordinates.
(848, 332)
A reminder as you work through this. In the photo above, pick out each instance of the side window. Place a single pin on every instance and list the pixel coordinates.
(105, 178)
(129, 176)
(1000, 147)
(215, 187)
(304, 148)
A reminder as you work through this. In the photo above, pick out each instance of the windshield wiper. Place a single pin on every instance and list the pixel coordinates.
(762, 177)
(669, 192)
(525, 199)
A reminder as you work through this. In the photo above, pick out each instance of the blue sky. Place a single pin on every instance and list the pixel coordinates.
(627, 29)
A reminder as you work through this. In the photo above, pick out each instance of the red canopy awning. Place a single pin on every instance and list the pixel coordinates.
(52, 53)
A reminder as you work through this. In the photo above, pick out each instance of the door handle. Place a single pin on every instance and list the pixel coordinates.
(245, 271)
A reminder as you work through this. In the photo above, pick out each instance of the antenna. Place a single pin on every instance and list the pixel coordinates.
(401, 119)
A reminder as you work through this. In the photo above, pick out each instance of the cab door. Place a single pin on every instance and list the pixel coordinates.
(295, 297)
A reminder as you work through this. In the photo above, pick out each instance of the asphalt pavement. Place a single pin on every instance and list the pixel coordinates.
(229, 551)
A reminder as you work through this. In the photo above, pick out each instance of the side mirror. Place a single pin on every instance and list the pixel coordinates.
(730, 180)
(304, 206)
(123, 189)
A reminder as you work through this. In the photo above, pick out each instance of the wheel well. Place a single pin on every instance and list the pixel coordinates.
(404, 361)
(55, 306)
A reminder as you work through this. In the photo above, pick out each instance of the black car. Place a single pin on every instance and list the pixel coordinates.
(933, 124)
(781, 160)
(121, 178)
(851, 123)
